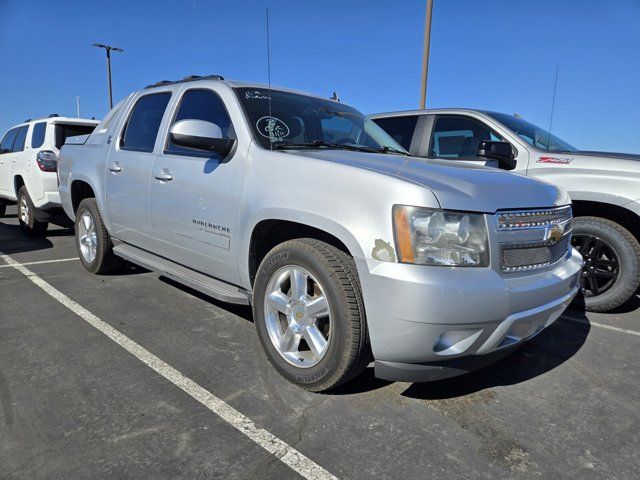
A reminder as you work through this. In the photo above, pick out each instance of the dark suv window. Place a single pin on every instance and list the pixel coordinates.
(199, 104)
(37, 137)
(6, 145)
(21, 136)
(458, 137)
(144, 122)
(65, 131)
(400, 128)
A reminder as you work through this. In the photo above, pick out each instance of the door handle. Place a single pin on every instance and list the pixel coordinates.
(115, 168)
(163, 176)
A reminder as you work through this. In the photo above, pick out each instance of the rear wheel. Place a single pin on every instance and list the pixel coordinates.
(611, 273)
(309, 314)
(27, 214)
(93, 241)
(3, 208)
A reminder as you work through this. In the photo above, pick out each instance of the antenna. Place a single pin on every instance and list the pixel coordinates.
(553, 104)
(78, 106)
(269, 75)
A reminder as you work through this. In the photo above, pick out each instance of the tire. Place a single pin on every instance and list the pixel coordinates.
(611, 274)
(93, 242)
(26, 215)
(3, 208)
(332, 274)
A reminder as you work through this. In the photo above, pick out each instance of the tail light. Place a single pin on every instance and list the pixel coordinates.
(47, 161)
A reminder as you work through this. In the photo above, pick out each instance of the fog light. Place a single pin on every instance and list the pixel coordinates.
(455, 341)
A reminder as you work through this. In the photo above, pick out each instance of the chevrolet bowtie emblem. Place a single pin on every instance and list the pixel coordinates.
(553, 233)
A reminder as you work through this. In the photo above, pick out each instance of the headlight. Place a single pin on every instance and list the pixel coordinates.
(428, 236)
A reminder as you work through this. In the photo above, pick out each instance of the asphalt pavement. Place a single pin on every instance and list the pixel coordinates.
(133, 376)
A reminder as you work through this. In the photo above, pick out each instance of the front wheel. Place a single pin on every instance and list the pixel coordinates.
(611, 272)
(309, 314)
(27, 215)
(93, 241)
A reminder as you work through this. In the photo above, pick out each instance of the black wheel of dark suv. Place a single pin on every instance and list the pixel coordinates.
(611, 272)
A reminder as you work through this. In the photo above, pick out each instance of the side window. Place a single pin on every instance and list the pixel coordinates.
(21, 136)
(400, 128)
(6, 146)
(142, 127)
(201, 104)
(458, 137)
(37, 137)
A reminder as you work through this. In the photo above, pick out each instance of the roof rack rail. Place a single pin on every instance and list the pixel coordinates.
(189, 78)
(51, 115)
(27, 120)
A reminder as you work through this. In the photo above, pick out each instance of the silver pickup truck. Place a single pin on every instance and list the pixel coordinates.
(348, 249)
(604, 187)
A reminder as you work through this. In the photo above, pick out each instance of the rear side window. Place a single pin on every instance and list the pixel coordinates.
(37, 137)
(21, 136)
(400, 128)
(144, 122)
(458, 137)
(6, 146)
(204, 105)
(65, 131)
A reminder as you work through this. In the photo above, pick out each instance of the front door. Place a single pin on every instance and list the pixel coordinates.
(6, 157)
(129, 170)
(194, 196)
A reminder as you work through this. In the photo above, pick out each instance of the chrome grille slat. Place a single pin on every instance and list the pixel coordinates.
(520, 219)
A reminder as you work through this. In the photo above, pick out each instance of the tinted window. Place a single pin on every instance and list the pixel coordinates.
(37, 137)
(400, 128)
(6, 145)
(21, 136)
(65, 131)
(143, 125)
(532, 134)
(458, 137)
(202, 105)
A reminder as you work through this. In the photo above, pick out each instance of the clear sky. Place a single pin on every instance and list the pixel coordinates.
(493, 54)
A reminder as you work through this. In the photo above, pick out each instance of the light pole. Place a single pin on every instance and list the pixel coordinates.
(108, 49)
(425, 54)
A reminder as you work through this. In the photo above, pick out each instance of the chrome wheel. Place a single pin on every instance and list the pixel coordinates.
(298, 316)
(24, 210)
(87, 237)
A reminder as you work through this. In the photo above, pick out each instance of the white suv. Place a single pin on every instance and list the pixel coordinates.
(28, 167)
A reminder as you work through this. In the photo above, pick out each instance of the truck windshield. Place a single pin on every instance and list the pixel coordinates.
(532, 134)
(282, 119)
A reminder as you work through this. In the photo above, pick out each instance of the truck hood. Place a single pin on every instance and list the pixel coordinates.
(618, 156)
(456, 185)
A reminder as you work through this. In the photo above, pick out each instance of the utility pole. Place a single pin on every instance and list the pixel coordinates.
(108, 49)
(78, 106)
(425, 54)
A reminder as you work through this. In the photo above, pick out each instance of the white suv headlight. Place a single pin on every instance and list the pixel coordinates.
(429, 236)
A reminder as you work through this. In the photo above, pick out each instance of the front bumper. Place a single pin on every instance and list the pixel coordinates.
(457, 319)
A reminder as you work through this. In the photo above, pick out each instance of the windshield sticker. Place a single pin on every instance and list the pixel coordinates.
(256, 95)
(272, 128)
(562, 161)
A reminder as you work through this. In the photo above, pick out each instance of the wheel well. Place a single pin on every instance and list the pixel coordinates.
(79, 191)
(18, 182)
(620, 215)
(269, 233)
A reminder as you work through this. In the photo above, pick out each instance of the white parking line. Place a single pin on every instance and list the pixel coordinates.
(43, 261)
(272, 444)
(601, 325)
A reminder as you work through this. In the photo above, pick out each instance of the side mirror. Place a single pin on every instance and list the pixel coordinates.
(500, 151)
(200, 135)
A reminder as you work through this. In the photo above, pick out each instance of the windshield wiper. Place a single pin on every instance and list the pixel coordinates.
(325, 144)
(386, 149)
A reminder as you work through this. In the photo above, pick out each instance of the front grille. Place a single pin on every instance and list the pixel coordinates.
(533, 218)
(552, 244)
(529, 256)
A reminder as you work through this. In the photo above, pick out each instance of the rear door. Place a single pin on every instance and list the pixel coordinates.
(6, 156)
(195, 196)
(129, 170)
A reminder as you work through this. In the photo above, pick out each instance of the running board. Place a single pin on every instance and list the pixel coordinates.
(198, 281)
